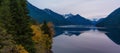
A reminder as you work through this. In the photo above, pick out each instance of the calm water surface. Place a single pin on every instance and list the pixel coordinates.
(86, 40)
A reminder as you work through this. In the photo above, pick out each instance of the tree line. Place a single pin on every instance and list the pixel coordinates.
(18, 32)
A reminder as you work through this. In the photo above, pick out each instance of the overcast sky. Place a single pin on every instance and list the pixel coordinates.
(86, 8)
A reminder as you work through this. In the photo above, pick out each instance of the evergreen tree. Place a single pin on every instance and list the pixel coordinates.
(14, 18)
(15, 21)
(21, 27)
(0, 2)
(45, 28)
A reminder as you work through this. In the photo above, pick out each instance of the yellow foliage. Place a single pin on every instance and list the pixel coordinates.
(37, 33)
(42, 41)
(20, 49)
(50, 25)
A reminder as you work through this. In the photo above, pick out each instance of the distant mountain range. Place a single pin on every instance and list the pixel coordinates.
(48, 15)
(113, 20)
(79, 20)
(45, 15)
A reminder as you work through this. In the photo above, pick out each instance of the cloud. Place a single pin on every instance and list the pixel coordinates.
(86, 8)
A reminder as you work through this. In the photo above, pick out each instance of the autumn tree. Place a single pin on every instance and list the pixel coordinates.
(42, 37)
(16, 33)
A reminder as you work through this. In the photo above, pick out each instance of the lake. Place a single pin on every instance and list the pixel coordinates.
(86, 39)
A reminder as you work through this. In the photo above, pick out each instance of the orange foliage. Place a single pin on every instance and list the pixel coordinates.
(20, 49)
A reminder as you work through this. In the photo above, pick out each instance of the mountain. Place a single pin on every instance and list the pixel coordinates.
(79, 20)
(61, 19)
(48, 15)
(113, 20)
(100, 20)
(68, 15)
(45, 15)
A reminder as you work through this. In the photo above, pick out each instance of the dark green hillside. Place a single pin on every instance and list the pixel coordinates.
(113, 20)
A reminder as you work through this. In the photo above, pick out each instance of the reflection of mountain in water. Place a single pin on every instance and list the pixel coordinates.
(70, 33)
(69, 30)
(113, 34)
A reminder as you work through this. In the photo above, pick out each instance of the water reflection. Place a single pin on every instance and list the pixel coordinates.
(113, 34)
(69, 31)
(86, 40)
